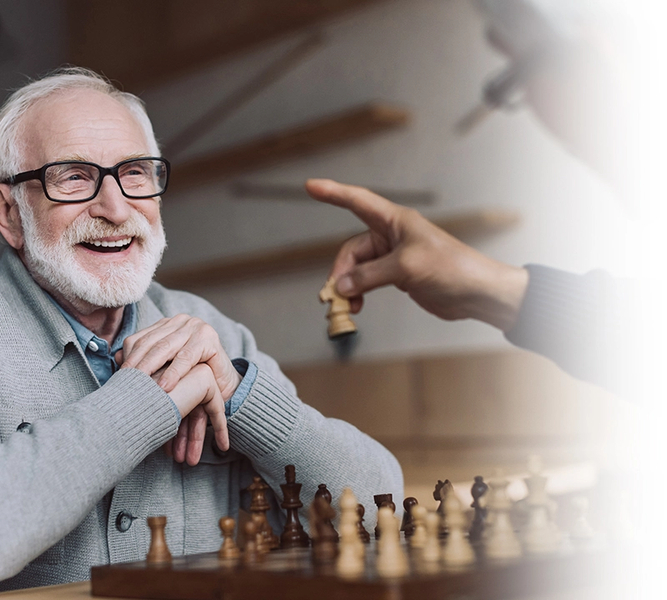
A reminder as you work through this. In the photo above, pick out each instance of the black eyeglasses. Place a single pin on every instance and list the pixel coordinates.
(80, 181)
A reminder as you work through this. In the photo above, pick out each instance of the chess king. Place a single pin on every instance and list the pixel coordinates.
(120, 399)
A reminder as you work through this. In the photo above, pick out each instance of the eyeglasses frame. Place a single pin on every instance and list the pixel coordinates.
(39, 174)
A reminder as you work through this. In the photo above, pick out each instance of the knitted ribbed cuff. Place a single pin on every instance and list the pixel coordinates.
(265, 419)
(140, 410)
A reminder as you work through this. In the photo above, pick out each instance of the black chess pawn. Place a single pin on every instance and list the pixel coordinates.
(364, 536)
(383, 500)
(293, 535)
(408, 524)
(478, 489)
(325, 494)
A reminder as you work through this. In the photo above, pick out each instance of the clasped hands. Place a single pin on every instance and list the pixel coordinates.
(184, 356)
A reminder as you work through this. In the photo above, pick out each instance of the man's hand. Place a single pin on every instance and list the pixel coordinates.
(402, 248)
(198, 399)
(183, 341)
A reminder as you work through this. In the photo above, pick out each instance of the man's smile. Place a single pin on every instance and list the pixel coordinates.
(108, 246)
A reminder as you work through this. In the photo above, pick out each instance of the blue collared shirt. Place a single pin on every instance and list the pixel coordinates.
(100, 356)
(103, 364)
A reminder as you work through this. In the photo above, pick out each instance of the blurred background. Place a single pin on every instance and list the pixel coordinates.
(248, 99)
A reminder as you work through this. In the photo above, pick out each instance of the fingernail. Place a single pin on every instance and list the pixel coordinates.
(344, 286)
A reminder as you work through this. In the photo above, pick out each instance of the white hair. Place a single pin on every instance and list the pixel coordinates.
(61, 80)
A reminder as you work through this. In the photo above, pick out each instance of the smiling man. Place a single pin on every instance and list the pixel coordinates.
(100, 368)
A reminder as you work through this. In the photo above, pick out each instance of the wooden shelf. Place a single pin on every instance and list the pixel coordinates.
(316, 254)
(304, 140)
(173, 38)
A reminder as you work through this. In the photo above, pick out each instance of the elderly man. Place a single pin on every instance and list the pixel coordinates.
(100, 368)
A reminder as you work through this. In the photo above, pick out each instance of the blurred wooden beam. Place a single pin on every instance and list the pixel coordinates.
(144, 43)
(248, 190)
(304, 256)
(303, 140)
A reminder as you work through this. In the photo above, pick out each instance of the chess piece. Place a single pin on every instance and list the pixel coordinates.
(259, 505)
(581, 533)
(229, 550)
(391, 561)
(158, 553)
(479, 488)
(364, 536)
(430, 552)
(324, 493)
(540, 535)
(262, 544)
(350, 561)
(440, 492)
(349, 514)
(324, 536)
(293, 535)
(501, 542)
(338, 314)
(251, 554)
(457, 551)
(379, 500)
(418, 539)
(408, 525)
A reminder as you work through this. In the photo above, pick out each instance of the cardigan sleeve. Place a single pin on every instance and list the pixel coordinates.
(582, 323)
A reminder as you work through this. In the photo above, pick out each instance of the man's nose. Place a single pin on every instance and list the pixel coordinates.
(110, 204)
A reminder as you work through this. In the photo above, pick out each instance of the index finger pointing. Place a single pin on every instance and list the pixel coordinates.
(376, 211)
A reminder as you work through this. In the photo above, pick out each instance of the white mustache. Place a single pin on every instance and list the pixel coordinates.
(85, 229)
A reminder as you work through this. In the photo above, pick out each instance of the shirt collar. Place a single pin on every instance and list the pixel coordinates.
(85, 335)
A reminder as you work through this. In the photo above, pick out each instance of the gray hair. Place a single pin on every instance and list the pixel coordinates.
(69, 78)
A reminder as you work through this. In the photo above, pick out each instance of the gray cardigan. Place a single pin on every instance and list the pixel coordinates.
(94, 452)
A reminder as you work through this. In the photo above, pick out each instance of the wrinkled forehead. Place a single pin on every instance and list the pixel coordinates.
(84, 124)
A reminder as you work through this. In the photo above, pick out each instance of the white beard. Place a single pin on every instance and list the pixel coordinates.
(56, 264)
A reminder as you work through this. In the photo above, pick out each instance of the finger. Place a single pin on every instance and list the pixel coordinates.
(197, 350)
(119, 357)
(377, 212)
(358, 249)
(180, 441)
(371, 275)
(197, 420)
(155, 342)
(216, 413)
(168, 448)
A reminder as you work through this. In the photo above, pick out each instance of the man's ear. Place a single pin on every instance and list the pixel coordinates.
(10, 219)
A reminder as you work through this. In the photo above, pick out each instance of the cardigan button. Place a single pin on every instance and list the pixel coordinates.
(124, 521)
(24, 427)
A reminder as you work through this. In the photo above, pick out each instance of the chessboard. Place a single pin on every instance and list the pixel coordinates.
(291, 575)
(432, 555)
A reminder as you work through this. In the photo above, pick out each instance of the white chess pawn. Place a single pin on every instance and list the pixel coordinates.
(350, 562)
(348, 515)
(582, 533)
(430, 552)
(501, 542)
(391, 561)
(540, 535)
(418, 538)
(457, 551)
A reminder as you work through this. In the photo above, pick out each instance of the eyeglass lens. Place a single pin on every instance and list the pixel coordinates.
(75, 181)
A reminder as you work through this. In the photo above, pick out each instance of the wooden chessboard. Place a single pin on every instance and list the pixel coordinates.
(290, 575)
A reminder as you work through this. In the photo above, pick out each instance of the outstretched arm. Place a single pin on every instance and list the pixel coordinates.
(402, 248)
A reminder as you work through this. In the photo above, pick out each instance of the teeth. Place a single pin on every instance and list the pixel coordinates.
(116, 244)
